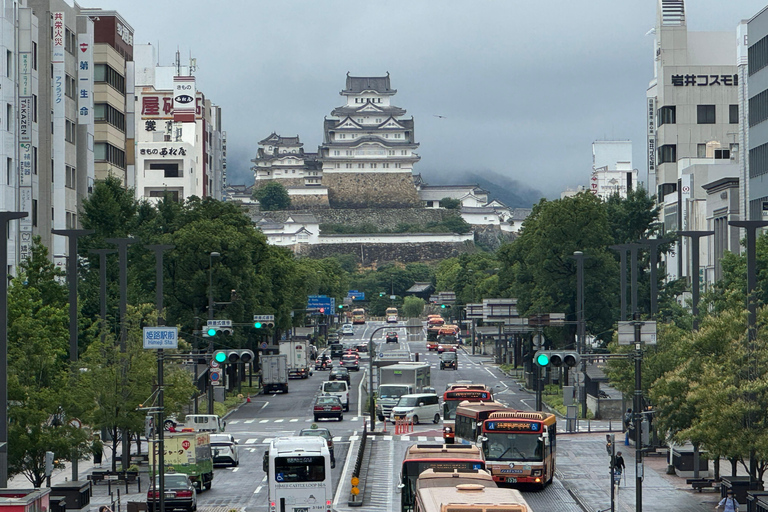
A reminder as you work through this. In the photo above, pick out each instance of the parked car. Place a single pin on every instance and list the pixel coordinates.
(324, 362)
(392, 337)
(315, 431)
(347, 330)
(179, 493)
(224, 449)
(340, 373)
(417, 407)
(350, 362)
(448, 360)
(328, 406)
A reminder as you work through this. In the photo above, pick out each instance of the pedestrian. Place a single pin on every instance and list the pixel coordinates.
(618, 464)
(104, 508)
(728, 503)
(97, 449)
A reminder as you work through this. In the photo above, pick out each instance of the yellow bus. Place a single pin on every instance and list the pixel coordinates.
(391, 315)
(520, 447)
(470, 497)
(358, 316)
(453, 477)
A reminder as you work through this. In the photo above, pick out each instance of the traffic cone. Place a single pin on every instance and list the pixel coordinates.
(248, 400)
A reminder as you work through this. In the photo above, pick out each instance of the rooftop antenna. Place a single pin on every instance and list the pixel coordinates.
(158, 54)
(192, 63)
(178, 62)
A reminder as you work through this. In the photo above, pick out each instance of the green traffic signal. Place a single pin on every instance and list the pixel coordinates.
(442, 306)
(542, 359)
(212, 331)
(341, 306)
(220, 356)
(257, 325)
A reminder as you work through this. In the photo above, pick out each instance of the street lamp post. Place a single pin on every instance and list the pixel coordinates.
(212, 255)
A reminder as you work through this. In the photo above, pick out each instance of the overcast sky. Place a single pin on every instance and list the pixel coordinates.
(524, 87)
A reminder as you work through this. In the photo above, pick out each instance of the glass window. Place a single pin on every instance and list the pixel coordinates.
(733, 114)
(705, 114)
(667, 153)
(757, 55)
(300, 469)
(701, 151)
(667, 115)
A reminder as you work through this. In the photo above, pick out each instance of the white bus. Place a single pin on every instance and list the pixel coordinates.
(299, 474)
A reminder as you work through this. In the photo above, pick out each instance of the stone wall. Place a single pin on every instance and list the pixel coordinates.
(384, 218)
(371, 189)
(379, 254)
(286, 182)
(309, 201)
(492, 237)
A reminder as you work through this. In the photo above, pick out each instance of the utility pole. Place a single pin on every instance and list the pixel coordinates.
(160, 424)
(5, 218)
(72, 235)
(212, 255)
(580, 329)
(622, 250)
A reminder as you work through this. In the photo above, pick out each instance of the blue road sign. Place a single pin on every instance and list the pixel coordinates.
(161, 337)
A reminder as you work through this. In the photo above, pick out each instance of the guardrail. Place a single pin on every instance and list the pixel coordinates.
(355, 500)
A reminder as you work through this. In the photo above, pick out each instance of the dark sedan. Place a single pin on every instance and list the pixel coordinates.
(392, 337)
(180, 494)
(339, 374)
(328, 407)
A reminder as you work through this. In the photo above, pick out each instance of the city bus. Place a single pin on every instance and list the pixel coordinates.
(470, 498)
(420, 457)
(391, 315)
(451, 400)
(469, 420)
(451, 478)
(520, 446)
(358, 316)
(299, 474)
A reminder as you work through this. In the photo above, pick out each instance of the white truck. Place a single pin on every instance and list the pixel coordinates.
(274, 373)
(297, 353)
(400, 379)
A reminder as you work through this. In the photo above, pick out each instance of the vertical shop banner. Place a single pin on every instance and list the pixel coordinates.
(85, 78)
(59, 131)
(184, 93)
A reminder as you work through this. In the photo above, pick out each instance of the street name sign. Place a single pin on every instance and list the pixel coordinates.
(161, 337)
(263, 318)
(219, 323)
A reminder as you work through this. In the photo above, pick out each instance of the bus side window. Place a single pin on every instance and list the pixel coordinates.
(265, 463)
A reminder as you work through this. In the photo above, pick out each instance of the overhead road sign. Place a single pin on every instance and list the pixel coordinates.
(647, 332)
(500, 310)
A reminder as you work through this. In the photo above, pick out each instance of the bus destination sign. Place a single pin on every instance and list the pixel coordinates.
(516, 426)
(482, 395)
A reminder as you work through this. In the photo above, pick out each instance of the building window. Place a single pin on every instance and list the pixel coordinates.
(69, 135)
(701, 151)
(109, 114)
(398, 135)
(34, 160)
(667, 115)
(758, 108)
(34, 212)
(386, 166)
(360, 166)
(9, 116)
(705, 114)
(733, 114)
(373, 166)
(348, 166)
(170, 170)
(341, 135)
(403, 152)
(105, 73)
(34, 108)
(722, 154)
(69, 41)
(8, 63)
(69, 87)
(105, 152)
(8, 170)
(758, 161)
(71, 177)
(757, 56)
(667, 153)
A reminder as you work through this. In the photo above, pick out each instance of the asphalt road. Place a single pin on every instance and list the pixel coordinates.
(269, 416)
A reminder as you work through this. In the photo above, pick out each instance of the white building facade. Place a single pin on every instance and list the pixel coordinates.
(176, 150)
(612, 171)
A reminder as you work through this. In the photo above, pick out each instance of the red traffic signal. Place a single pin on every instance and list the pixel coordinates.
(322, 310)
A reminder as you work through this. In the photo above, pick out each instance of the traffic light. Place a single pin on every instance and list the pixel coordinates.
(211, 331)
(442, 306)
(557, 358)
(49, 463)
(264, 325)
(233, 356)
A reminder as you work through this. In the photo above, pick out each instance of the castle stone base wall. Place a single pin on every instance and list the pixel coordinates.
(286, 182)
(367, 190)
(379, 254)
(381, 217)
(306, 201)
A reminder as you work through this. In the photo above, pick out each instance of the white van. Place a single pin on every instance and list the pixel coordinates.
(204, 423)
(417, 407)
(337, 388)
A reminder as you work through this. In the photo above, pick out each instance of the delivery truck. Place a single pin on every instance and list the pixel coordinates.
(188, 453)
(274, 373)
(400, 379)
(297, 352)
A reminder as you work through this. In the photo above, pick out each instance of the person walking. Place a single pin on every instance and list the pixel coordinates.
(618, 467)
(97, 450)
(729, 503)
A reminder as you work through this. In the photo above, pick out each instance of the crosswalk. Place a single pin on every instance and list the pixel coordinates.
(280, 420)
(253, 441)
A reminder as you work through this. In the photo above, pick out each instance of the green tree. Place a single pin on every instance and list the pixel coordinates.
(38, 371)
(412, 307)
(272, 196)
(450, 203)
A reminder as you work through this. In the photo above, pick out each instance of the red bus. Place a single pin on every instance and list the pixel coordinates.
(420, 457)
(470, 417)
(451, 400)
(520, 447)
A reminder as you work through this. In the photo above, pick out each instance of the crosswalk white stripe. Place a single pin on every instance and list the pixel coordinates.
(251, 441)
(279, 421)
(294, 420)
(337, 439)
(249, 421)
(263, 421)
(386, 438)
(422, 438)
(232, 422)
(439, 439)
(354, 438)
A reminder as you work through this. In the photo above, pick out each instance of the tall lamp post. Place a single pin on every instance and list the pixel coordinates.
(212, 255)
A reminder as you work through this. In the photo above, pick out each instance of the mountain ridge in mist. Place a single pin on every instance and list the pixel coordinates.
(507, 190)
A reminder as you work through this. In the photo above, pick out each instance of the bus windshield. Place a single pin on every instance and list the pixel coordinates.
(449, 409)
(299, 469)
(512, 447)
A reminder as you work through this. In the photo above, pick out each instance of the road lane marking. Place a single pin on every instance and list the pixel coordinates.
(264, 479)
(264, 421)
(386, 438)
(336, 439)
(422, 438)
(251, 441)
(234, 469)
(294, 420)
(258, 489)
(250, 421)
